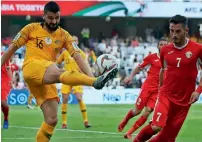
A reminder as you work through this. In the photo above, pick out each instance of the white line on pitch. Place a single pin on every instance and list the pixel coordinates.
(24, 138)
(71, 130)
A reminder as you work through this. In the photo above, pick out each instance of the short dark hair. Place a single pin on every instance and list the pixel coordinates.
(51, 7)
(179, 19)
(162, 39)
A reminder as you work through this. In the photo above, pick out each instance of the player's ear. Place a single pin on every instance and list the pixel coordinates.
(187, 30)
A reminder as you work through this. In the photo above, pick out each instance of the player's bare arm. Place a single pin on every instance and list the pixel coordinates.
(7, 55)
(161, 77)
(83, 65)
(196, 94)
(130, 78)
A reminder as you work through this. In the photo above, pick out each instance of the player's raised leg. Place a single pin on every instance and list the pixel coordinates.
(55, 75)
(79, 93)
(139, 105)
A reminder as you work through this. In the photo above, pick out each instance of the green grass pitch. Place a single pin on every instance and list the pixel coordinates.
(104, 119)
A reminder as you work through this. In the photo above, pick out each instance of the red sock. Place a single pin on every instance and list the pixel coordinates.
(130, 114)
(5, 110)
(137, 124)
(145, 134)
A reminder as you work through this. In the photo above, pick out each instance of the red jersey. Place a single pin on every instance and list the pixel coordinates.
(180, 71)
(4, 73)
(152, 80)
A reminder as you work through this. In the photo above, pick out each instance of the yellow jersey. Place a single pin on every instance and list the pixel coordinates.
(42, 45)
(69, 62)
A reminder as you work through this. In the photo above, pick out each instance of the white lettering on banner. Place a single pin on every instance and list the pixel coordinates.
(12, 99)
(7, 7)
(29, 7)
(114, 96)
(193, 9)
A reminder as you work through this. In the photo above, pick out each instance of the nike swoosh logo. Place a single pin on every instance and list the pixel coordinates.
(170, 52)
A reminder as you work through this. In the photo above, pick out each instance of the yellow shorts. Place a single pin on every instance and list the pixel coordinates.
(66, 89)
(33, 72)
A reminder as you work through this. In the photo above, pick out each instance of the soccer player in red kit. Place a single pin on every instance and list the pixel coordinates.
(149, 92)
(6, 76)
(177, 84)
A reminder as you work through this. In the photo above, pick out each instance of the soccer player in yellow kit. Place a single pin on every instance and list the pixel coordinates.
(43, 42)
(70, 65)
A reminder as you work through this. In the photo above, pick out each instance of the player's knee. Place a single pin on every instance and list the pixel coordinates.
(136, 111)
(156, 128)
(147, 112)
(148, 109)
(52, 74)
(52, 121)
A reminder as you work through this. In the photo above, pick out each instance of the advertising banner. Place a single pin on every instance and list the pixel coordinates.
(20, 97)
(106, 8)
(91, 96)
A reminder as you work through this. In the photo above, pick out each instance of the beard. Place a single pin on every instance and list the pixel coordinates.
(52, 27)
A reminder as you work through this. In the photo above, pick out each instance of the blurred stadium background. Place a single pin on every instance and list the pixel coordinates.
(127, 29)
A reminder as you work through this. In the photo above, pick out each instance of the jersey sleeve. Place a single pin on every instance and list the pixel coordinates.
(22, 37)
(146, 61)
(70, 44)
(60, 59)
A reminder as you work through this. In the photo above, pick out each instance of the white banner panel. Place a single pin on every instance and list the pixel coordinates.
(113, 96)
(161, 9)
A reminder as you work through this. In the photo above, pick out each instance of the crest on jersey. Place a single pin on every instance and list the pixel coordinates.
(188, 54)
(48, 40)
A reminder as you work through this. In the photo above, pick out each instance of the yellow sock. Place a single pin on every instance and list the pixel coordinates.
(45, 132)
(83, 110)
(64, 113)
(75, 78)
(30, 99)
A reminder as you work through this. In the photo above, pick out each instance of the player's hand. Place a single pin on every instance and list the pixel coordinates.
(194, 97)
(128, 80)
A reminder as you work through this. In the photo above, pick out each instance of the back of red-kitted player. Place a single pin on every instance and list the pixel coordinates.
(5, 81)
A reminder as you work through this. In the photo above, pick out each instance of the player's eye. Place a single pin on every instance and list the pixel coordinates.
(50, 17)
(178, 31)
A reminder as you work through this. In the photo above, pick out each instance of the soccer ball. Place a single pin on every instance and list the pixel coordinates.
(103, 63)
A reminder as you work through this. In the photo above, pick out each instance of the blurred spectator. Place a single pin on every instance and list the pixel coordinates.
(85, 33)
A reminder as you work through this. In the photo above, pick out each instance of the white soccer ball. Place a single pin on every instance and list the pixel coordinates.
(104, 63)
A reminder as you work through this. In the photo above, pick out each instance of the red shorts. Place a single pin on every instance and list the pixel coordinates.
(170, 117)
(146, 98)
(5, 90)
